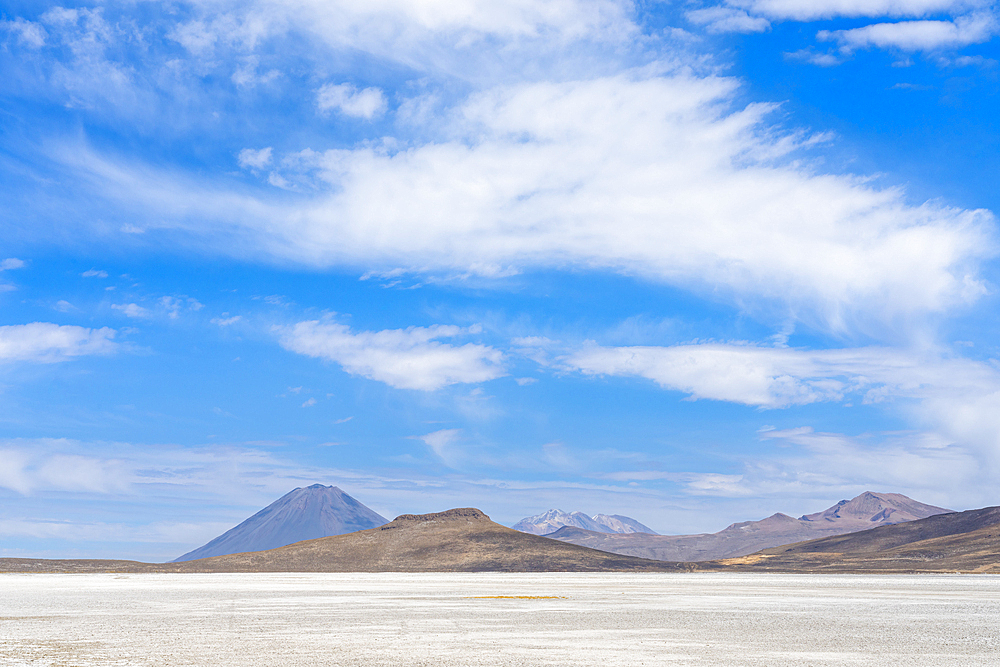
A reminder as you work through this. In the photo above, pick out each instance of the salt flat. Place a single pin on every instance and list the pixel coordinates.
(217, 620)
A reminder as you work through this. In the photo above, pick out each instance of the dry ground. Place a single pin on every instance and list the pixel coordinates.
(444, 620)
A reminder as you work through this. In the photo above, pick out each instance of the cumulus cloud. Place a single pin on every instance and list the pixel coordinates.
(350, 101)
(11, 263)
(653, 177)
(916, 35)
(411, 358)
(48, 343)
(94, 273)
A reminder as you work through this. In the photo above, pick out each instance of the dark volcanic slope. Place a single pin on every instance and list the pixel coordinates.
(302, 514)
(960, 541)
(459, 540)
(861, 513)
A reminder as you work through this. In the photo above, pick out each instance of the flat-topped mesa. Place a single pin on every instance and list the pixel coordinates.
(458, 514)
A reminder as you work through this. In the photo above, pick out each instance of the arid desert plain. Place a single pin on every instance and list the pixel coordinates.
(244, 620)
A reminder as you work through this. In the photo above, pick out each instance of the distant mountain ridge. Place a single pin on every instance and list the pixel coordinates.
(302, 514)
(955, 542)
(465, 540)
(457, 540)
(868, 510)
(553, 520)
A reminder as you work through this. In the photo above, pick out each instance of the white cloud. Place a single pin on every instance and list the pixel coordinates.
(780, 377)
(409, 358)
(920, 464)
(13, 463)
(47, 343)
(28, 33)
(247, 76)
(173, 305)
(350, 101)
(810, 56)
(727, 19)
(94, 273)
(92, 75)
(442, 444)
(255, 159)
(11, 263)
(916, 35)
(438, 34)
(764, 377)
(309, 403)
(195, 36)
(30, 465)
(653, 177)
(226, 321)
(956, 400)
(812, 10)
(132, 310)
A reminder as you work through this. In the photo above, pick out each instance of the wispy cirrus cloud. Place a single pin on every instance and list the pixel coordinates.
(442, 443)
(727, 19)
(411, 358)
(44, 342)
(813, 10)
(954, 402)
(771, 377)
(700, 196)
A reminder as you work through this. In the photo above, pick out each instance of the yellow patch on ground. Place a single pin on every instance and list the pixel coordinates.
(746, 560)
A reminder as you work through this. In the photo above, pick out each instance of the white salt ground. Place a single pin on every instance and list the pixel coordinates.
(274, 620)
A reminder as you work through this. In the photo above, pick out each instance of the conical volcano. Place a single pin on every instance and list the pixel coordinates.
(303, 514)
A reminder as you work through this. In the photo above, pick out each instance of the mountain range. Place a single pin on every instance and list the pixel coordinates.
(302, 514)
(465, 540)
(553, 520)
(865, 511)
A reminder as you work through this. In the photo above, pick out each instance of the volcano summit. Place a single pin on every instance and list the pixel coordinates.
(303, 514)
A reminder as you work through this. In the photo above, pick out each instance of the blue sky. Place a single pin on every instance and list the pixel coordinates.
(692, 262)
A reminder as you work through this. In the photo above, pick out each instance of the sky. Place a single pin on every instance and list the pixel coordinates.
(693, 262)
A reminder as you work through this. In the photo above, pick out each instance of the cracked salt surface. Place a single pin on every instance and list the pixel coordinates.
(218, 620)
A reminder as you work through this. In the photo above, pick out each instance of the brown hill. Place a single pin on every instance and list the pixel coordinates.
(955, 542)
(861, 513)
(459, 540)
